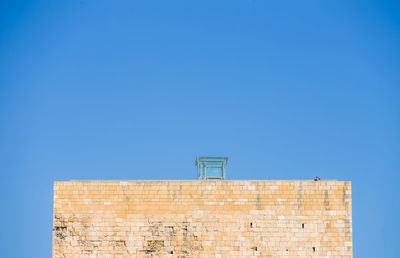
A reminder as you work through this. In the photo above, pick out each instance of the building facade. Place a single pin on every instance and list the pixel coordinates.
(202, 219)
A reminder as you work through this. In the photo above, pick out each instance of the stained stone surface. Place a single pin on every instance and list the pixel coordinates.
(202, 219)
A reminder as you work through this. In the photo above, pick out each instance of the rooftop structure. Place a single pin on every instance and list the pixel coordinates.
(211, 168)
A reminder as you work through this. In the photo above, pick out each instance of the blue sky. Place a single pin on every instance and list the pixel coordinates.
(93, 89)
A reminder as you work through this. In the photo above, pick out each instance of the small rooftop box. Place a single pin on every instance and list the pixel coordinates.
(211, 168)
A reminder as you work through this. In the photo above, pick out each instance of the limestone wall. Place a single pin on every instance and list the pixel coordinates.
(202, 219)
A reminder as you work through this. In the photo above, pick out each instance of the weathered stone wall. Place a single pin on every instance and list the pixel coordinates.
(202, 219)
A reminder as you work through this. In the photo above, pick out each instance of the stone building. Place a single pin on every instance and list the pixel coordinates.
(202, 218)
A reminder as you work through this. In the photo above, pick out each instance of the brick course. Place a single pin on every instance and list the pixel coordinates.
(202, 219)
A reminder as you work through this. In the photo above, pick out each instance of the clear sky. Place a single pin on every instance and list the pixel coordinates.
(110, 89)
